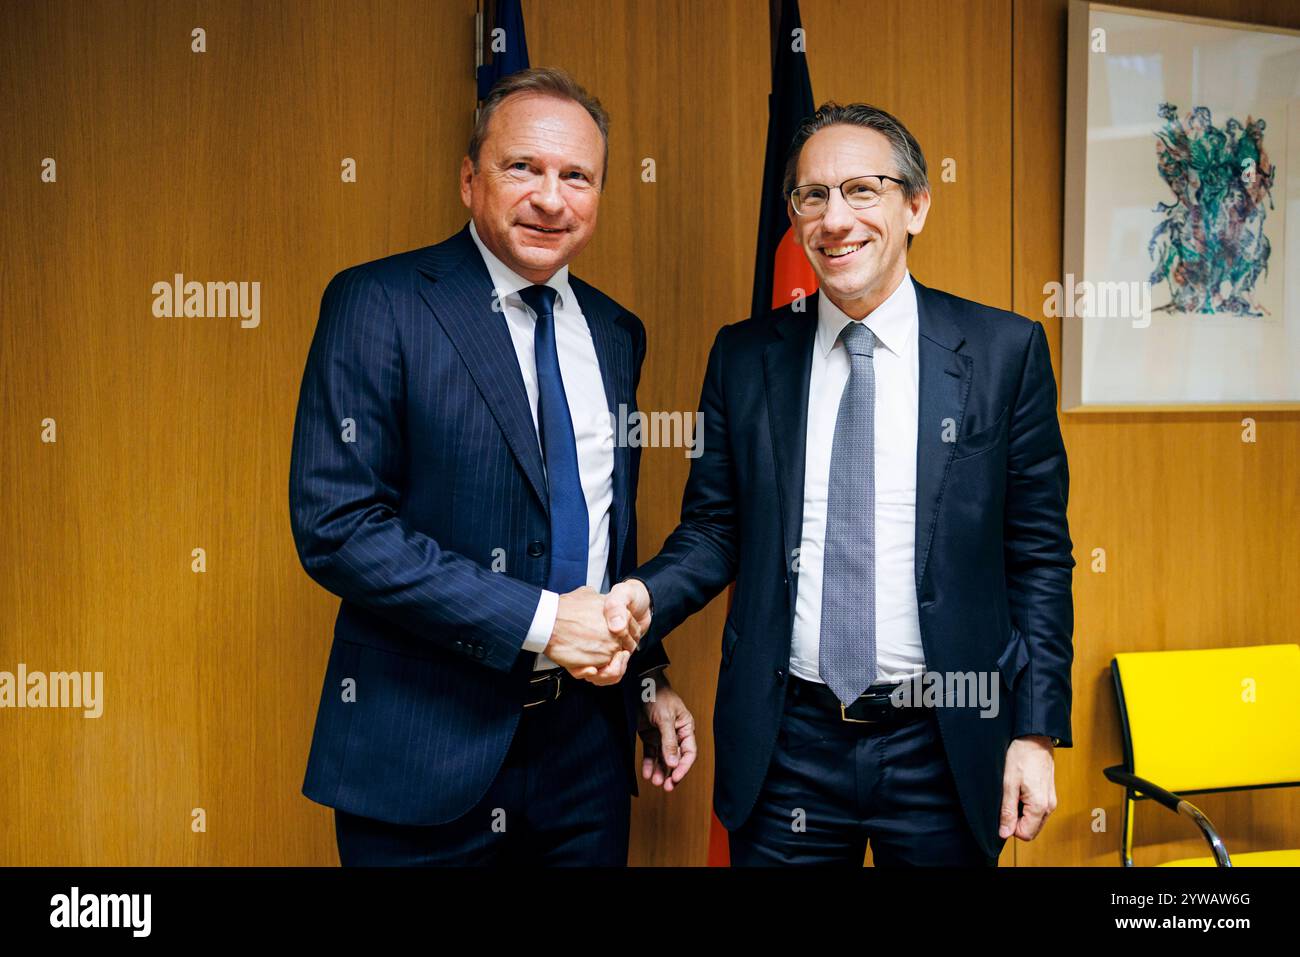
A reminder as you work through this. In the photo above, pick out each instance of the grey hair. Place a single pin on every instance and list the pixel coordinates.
(907, 151)
(546, 81)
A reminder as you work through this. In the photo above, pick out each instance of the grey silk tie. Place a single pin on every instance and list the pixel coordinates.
(847, 653)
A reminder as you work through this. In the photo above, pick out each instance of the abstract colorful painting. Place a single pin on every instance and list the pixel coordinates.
(1210, 246)
(1181, 259)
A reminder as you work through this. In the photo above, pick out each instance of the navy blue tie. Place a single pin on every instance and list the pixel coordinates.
(560, 450)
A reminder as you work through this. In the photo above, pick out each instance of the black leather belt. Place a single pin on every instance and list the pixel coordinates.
(873, 707)
(547, 686)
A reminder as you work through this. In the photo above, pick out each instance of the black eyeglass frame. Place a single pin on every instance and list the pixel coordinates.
(839, 186)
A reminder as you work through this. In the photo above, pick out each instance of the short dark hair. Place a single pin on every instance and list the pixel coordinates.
(907, 151)
(545, 81)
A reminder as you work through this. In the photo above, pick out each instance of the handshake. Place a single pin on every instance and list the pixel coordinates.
(595, 634)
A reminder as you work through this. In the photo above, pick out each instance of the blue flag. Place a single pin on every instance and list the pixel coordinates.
(508, 31)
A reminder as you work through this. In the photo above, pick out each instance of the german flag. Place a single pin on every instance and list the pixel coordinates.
(780, 267)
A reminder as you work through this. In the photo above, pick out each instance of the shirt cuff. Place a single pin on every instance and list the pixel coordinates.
(539, 632)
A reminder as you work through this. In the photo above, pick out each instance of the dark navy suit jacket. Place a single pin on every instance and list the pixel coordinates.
(993, 552)
(417, 495)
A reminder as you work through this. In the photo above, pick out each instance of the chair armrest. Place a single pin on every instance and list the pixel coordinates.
(1119, 775)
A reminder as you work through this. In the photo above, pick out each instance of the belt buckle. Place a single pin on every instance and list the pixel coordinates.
(844, 717)
(551, 677)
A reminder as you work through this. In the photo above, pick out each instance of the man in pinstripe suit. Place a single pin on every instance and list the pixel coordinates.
(455, 481)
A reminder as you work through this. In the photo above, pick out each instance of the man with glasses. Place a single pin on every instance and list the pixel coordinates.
(883, 477)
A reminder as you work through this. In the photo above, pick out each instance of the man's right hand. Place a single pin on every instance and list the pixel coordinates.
(581, 641)
(627, 606)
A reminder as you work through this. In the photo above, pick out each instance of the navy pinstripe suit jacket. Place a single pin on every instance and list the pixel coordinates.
(415, 473)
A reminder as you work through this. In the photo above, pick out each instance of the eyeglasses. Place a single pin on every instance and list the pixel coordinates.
(860, 192)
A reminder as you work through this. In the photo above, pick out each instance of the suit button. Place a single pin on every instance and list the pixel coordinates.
(780, 674)
(479, 652)
(536, 549)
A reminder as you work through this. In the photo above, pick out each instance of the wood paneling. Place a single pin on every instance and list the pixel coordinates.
(944, 70)
(174, 433)
(1197, 526)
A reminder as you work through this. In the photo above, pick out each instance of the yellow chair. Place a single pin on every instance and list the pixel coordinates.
(1207, 720)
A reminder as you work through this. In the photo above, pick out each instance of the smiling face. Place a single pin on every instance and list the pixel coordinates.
(534, 197)
(859, 255)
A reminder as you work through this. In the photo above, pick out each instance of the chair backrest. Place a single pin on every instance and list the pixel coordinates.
(1211, 718)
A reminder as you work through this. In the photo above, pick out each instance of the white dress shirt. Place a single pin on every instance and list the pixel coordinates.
(592, 427)
(897, 373)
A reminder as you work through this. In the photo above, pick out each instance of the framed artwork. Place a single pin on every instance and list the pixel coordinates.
(1181, 286)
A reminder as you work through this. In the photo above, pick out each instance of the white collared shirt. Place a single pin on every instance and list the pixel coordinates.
(592, 427)
(897, 374)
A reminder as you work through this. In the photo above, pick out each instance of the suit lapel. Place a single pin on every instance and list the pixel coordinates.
(787, 365)
(945, 380)
(614, 353)
(460, 294)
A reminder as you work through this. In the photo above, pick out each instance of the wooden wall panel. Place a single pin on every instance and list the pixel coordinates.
(174, 433)
(944, 69)
(1197, 526)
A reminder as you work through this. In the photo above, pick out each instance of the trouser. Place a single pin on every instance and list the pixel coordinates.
(560, 798)
(834, 786)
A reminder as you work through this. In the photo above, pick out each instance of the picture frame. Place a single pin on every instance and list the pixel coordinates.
(1181, 249)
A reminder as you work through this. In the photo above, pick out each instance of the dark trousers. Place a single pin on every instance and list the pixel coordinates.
(561, 798)
(834, 786)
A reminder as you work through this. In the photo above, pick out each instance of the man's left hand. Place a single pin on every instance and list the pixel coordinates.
(667, 732)
(1029, 779)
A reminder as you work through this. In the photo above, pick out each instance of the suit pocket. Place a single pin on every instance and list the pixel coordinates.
(1014, 658)
(981, 441)
(729, 638)
(799, 732)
